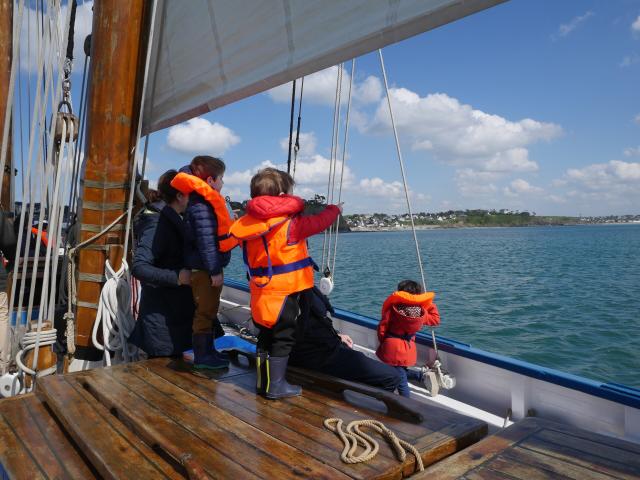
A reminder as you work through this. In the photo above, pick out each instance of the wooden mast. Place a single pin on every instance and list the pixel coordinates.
(118, 50)
(6, 47)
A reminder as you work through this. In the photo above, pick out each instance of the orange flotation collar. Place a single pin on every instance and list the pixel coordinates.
(423, 300)
(185, 183)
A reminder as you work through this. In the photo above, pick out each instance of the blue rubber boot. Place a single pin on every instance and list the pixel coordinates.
(277, 385)
(261, 371)
(204, 354)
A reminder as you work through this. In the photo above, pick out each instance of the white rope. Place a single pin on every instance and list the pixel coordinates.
(36, 120)
(34, 341)
(55, 196)
(114, 318)
(344, 160)
(336, 116)
(134, 164)
(404, 177)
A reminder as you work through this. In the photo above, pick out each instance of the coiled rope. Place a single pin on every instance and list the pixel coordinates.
(354, 436)
(115, 318)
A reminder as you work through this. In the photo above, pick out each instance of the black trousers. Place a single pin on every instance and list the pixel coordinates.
(355, 366)
(279, 340)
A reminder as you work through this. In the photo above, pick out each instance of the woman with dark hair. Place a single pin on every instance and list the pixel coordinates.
(166, 304)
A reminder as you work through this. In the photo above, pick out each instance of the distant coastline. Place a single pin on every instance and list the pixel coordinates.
(444, 227)
(380, 222)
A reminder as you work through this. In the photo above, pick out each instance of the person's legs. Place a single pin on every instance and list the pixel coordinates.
(277, 342)
(403, 386)
(207, 300)
(356, 366)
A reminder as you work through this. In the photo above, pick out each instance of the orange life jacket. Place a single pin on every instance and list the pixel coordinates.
(43, 238)
(397, 332)
(276, 268)
(185, 183)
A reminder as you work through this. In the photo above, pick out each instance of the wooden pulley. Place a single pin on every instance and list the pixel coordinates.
(69, 118)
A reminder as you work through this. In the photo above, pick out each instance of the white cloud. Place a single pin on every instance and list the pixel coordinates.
(199, 135)
(637, 119)
(460, 135)
(377, 187)
(308, 143)
(30, 37)
(635, 26)
(472, 183)
(566, 28)
(614, 176)
(629, 60)
(320, 89)
(521, 187)
(632, 151)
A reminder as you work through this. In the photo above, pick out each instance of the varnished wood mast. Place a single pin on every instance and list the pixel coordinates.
(6, 47)
(118, 50)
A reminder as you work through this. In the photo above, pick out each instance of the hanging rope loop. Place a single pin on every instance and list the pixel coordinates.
(353, 437)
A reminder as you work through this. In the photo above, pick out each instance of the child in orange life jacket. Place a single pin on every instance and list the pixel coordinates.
(273, 237)
(404, 313)
(207, 246)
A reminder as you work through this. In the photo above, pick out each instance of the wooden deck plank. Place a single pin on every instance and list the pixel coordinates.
(54, 454)
(150, 423)
(209, 421)
(434, 444)
(112, 455)
(16, 460)
(309, 437)
(66, 451)
(534, 448)
(170, 468)
(327, 407)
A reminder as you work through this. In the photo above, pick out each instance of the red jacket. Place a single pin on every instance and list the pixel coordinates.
(396, 332)
(302, 226)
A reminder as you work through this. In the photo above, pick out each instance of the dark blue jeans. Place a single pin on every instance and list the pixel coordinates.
(406, 375)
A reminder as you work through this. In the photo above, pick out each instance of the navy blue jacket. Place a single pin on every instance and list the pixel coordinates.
(166, 309)
(202, 247)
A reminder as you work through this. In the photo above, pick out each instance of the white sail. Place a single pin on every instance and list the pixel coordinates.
(208, 53)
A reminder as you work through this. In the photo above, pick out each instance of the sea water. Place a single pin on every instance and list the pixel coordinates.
(562, 297)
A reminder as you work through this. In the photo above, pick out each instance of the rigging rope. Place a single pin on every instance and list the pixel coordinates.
(324, 268)
(354, 437)
(296, 146)
(344, 160)
(404, 177)
(406, 191)
(293, 105)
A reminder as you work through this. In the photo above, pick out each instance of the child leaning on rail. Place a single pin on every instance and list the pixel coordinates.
(273, 236)
(404, 313)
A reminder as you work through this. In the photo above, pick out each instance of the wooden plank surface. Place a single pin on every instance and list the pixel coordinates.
(160, 419)
(114, 452)
(33, 445)
(539, 449)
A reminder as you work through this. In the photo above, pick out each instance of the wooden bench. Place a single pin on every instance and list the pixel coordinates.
(539, 449)
(157, 419)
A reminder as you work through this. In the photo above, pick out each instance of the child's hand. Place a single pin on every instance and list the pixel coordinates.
(217, 280)
(340, 206)
(184, 277)
(346, 339)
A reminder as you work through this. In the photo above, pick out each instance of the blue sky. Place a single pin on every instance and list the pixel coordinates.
(530, 105)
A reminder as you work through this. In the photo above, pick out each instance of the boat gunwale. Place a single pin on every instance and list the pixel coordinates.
(615, 392)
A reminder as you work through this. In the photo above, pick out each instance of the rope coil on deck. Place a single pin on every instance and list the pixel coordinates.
(353, 437)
